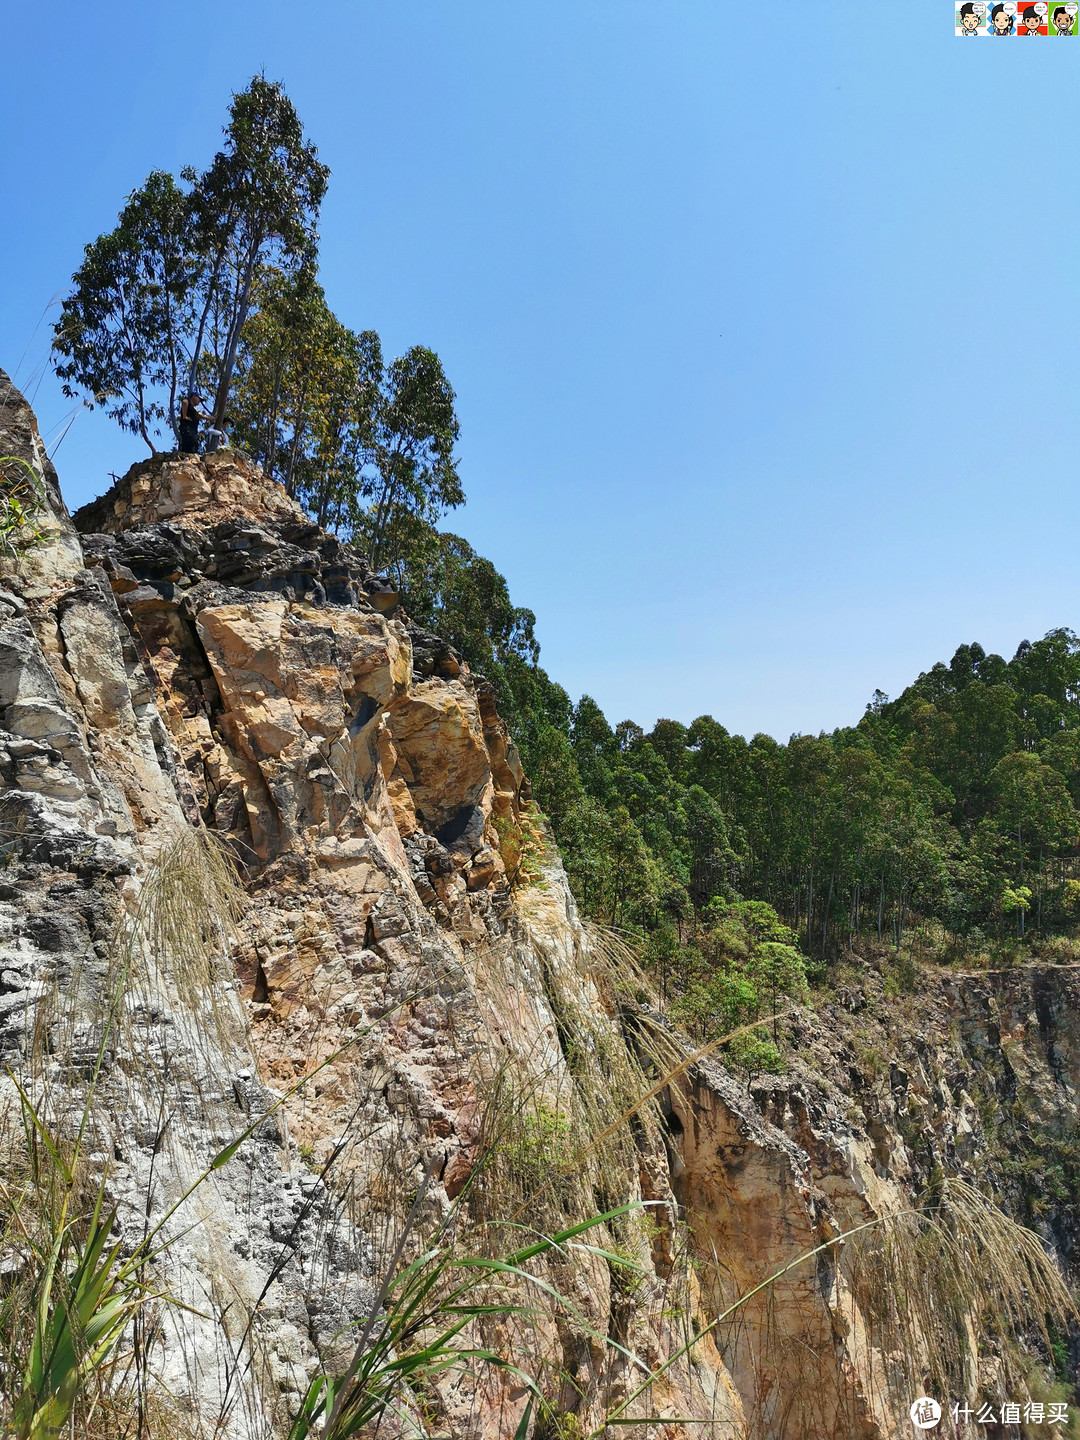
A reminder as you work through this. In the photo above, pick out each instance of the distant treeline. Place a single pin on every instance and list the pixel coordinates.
(956, 803)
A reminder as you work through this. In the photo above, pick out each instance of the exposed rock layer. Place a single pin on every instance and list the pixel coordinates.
(91, 799)
(208, 657)
(234, 667)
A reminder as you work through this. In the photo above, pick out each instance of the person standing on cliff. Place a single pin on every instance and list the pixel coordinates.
(217, 437)
(190, 415)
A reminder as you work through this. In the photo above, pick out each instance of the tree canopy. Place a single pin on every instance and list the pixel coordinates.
(367, 447)
(954, 805)
(160, 301)
(211, 283)
(122, 340)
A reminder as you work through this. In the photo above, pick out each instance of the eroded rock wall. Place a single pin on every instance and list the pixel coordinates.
(906, 1074)
(207, 658)
(368, 783)
(204, 657)
(92, 797)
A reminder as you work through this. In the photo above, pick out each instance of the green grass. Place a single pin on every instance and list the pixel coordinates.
(21, 495)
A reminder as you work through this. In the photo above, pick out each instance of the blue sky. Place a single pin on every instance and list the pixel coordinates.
(763, 319)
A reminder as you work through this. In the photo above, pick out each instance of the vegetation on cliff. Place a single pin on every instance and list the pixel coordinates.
(160, 301)
(953, 807)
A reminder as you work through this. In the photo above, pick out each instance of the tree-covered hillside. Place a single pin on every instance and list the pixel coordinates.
(955, 804)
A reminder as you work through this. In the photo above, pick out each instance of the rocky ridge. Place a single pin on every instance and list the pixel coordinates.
(204, 656)
(369, 789)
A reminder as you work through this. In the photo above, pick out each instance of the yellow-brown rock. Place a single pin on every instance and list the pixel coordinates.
(203, 490)
(440, 738)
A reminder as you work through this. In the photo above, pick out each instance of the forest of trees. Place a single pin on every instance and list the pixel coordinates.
(953, 806)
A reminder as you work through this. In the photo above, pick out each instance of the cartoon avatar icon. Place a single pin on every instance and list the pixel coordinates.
(1001, 20)
(969, 18)
(1031, 20)
(1063, 21)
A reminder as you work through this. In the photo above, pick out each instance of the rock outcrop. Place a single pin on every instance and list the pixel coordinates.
(92, 800)
(194, 656)
(209, 660)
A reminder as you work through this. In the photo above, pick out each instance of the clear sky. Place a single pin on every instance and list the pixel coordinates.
(763, 318)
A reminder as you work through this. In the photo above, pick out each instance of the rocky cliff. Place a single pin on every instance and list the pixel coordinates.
(194, 656)
(206, 659)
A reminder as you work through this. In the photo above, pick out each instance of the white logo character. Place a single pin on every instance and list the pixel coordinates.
(925, 1413)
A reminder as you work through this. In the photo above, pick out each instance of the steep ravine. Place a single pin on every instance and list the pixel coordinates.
(197, 653)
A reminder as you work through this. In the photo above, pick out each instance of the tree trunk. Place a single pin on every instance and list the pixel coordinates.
(211, 291)
(382, 510)
(298, 430)
(810, 911)
(174, 377)
(221, 399)
(142, 422)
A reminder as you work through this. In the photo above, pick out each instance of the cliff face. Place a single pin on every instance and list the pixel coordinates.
(92, 804)
(205, 657)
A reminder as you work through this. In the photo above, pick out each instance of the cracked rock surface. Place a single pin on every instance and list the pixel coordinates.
(193, 654)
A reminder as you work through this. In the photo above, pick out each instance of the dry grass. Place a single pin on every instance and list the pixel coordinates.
(176, 942)
(564, 1124)
(950, 1279)
(87, 1035)
(932, 1289)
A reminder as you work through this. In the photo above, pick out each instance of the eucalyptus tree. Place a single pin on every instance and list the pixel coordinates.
(124, 335)
(367, 447)
(303, 393)
(465, 599)
(159, 302)
(410, 468)
(257, 204)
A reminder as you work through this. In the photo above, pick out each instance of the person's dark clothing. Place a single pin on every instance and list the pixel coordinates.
(188, 427)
